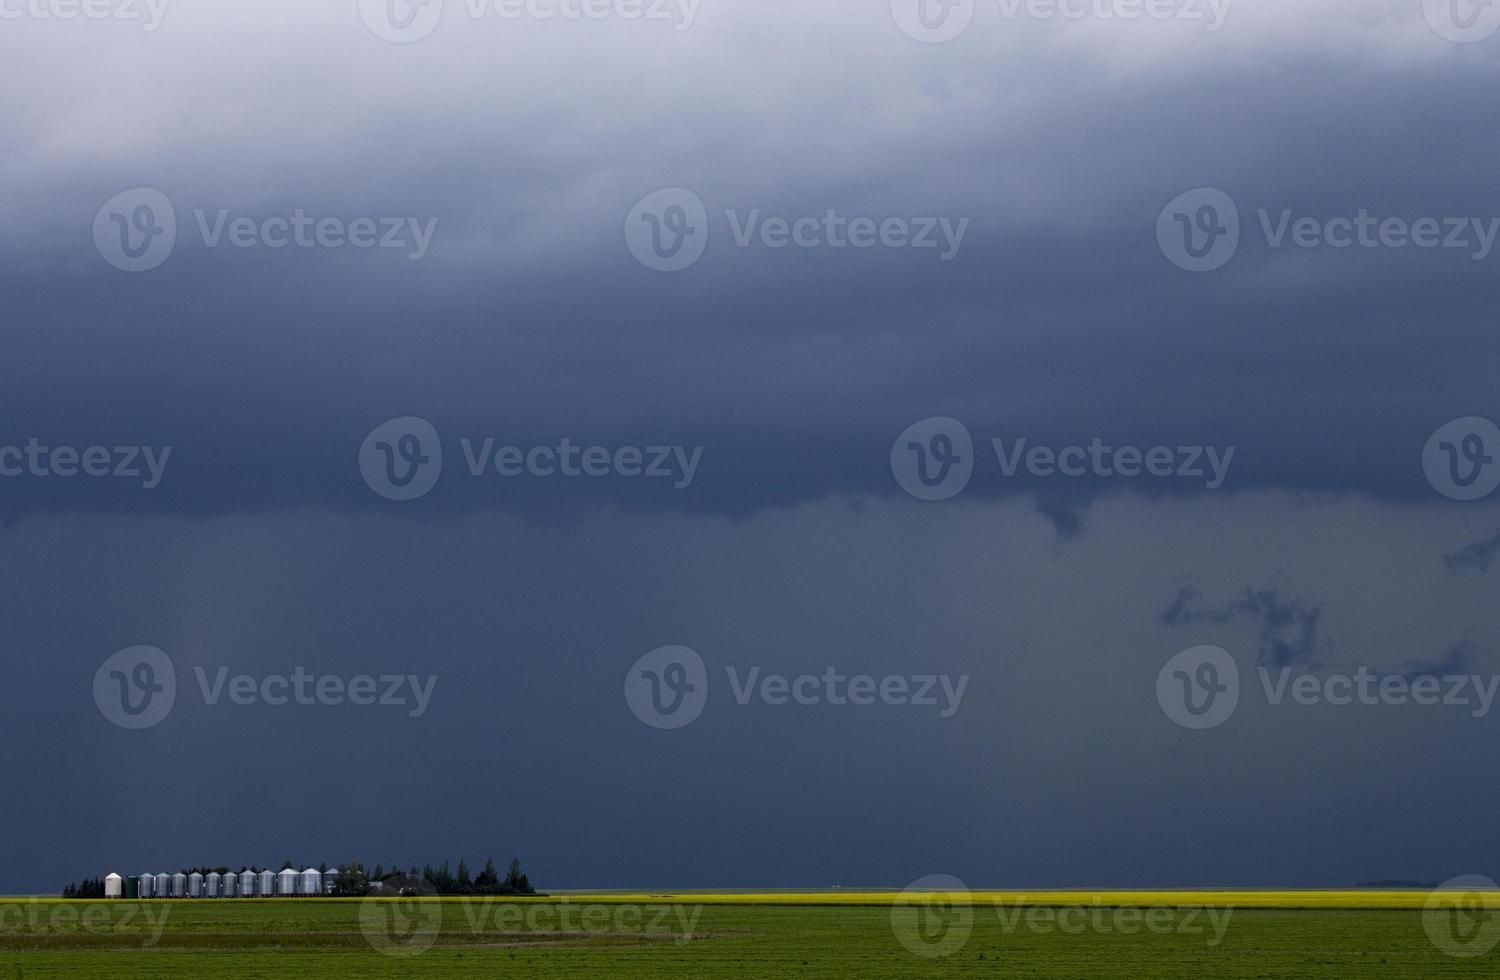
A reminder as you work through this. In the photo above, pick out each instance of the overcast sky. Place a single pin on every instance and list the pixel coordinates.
(755, 496)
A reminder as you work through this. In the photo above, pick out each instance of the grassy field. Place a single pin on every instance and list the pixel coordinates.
(799, 934)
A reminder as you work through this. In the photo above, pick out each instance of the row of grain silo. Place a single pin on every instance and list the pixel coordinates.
(288, 883)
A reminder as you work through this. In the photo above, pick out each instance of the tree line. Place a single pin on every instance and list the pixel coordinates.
(354, 881)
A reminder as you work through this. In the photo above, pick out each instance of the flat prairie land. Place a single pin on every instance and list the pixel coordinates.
(837, 933)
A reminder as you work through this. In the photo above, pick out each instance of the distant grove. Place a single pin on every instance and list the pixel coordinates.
(348, 881)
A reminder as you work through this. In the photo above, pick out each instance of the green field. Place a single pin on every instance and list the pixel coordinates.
(771, 935)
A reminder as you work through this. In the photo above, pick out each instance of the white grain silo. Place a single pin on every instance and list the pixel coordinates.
(146, 883)
(247, 884)
(330, 882)
(311, 884)
(179, 885)
(162, 886)
(286, 882)
(265, 885)
(195, 885)
(213, 885)
(230, 885)
(112, 885)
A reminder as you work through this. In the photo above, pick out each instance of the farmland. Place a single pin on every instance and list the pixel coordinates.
(806, 934)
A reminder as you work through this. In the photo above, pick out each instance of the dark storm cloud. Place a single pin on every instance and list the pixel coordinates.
(1059, 320)
(1477, 556)
(1458, 660)
(1288, 627)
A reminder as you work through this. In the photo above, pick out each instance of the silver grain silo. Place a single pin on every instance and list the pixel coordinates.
(311, 884)
(230, 885)
(265, 885)
(147, 886)
(162, 886)
(247, 884)
(286, 882)
(195, 885)
(330, 882)
(179, 885)
(113, 885)
(213, 885)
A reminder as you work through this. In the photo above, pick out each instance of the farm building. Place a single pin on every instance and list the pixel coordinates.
(112, 883)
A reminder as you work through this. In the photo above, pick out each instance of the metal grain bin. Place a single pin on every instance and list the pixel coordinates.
(266, 884)
(311, 884)
(147, 886)
(330, 882)
(132, 886)
(113, 885)
(195, 885)
(162, 886)
(229, 886)
(286, 882)
(248, 881)
(213, 885)
(179, 885)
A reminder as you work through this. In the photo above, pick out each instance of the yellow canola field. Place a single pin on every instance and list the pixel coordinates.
(1297, 900)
